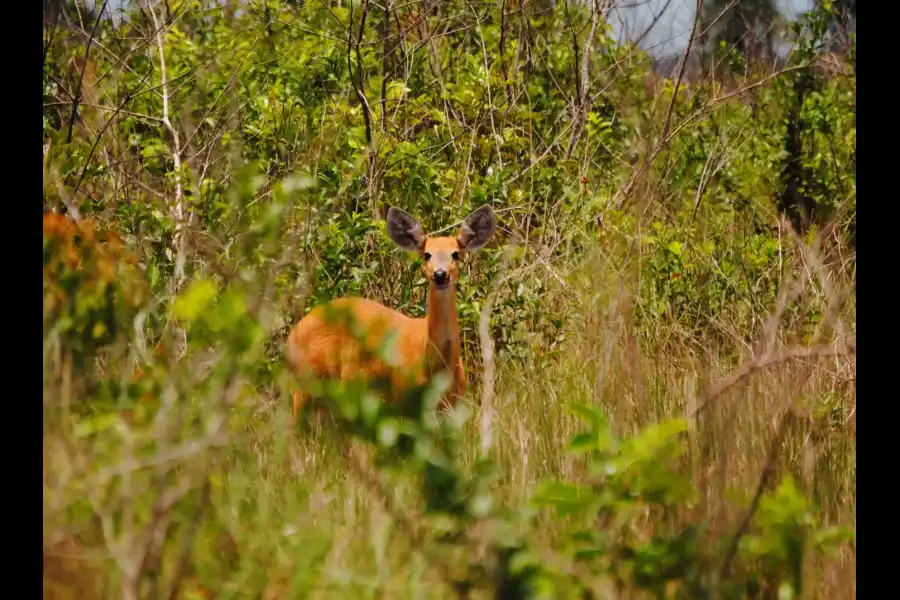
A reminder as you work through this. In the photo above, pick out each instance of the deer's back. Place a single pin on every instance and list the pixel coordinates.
(321, 344)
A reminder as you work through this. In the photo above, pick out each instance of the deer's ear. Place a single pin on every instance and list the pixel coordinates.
(477, 229)
(404, 230)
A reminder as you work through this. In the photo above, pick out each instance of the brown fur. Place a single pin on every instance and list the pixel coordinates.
(317, 348)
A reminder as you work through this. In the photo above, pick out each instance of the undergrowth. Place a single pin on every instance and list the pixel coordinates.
(670, 301)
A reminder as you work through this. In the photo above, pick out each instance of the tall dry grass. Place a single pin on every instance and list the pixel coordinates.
(212, 494)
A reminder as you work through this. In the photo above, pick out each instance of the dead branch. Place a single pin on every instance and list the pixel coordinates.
(682, 67)
(78, 93)
(178, 211)
(764, 483)
(353, 43)
(768, 360)
(487, 351)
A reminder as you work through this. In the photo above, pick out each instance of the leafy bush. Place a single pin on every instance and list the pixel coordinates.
(677, 252)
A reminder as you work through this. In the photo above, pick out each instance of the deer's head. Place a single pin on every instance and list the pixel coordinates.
(441, 254)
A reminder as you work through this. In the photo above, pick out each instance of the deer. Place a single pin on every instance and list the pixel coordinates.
(319, 346)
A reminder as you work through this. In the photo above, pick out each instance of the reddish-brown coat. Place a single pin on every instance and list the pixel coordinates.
(321, 348)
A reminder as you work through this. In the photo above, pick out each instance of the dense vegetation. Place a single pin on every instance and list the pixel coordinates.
(660, 341)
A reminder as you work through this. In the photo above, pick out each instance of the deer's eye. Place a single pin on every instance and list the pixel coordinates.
(427, 256)
(455, 256)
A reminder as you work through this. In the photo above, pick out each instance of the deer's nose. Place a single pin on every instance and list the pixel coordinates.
(440, 277)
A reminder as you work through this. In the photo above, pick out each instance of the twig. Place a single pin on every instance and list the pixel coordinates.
(178, 210)
(503, 71)
(110, 109)
(487, 86)
(764, 479)
(769, 360)
(625, 192)
(487, 351)
(682, 68)
(354, 44)
(583, 78)
(71, 207)
(178, 453)
(584, 98)
(653, 22)
(386, 53)
(87, 53)
(353, 47)
(51, 21)
(188, 542)
(87, 161)
(401, 517)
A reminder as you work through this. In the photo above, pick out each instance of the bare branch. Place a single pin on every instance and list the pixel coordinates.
(178, 207)
(87, 53)
(487, 351)
(684, 60)
(764, 482)
(768, 360)
(353, 48)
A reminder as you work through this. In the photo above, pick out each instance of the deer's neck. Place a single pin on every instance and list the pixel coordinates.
(443, 326)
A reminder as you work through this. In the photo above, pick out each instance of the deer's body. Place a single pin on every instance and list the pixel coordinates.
(321, 346)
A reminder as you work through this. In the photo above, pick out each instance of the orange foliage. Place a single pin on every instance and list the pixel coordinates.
(90, 276)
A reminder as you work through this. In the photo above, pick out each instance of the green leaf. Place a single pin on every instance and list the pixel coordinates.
(389, 346)
(828, 540)
(231, 308)
(592, 414)
(480, 505)
(102, 422)
(564, 497)
(655, 436)
(196, 299)
(582, 443)
(388, 432)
